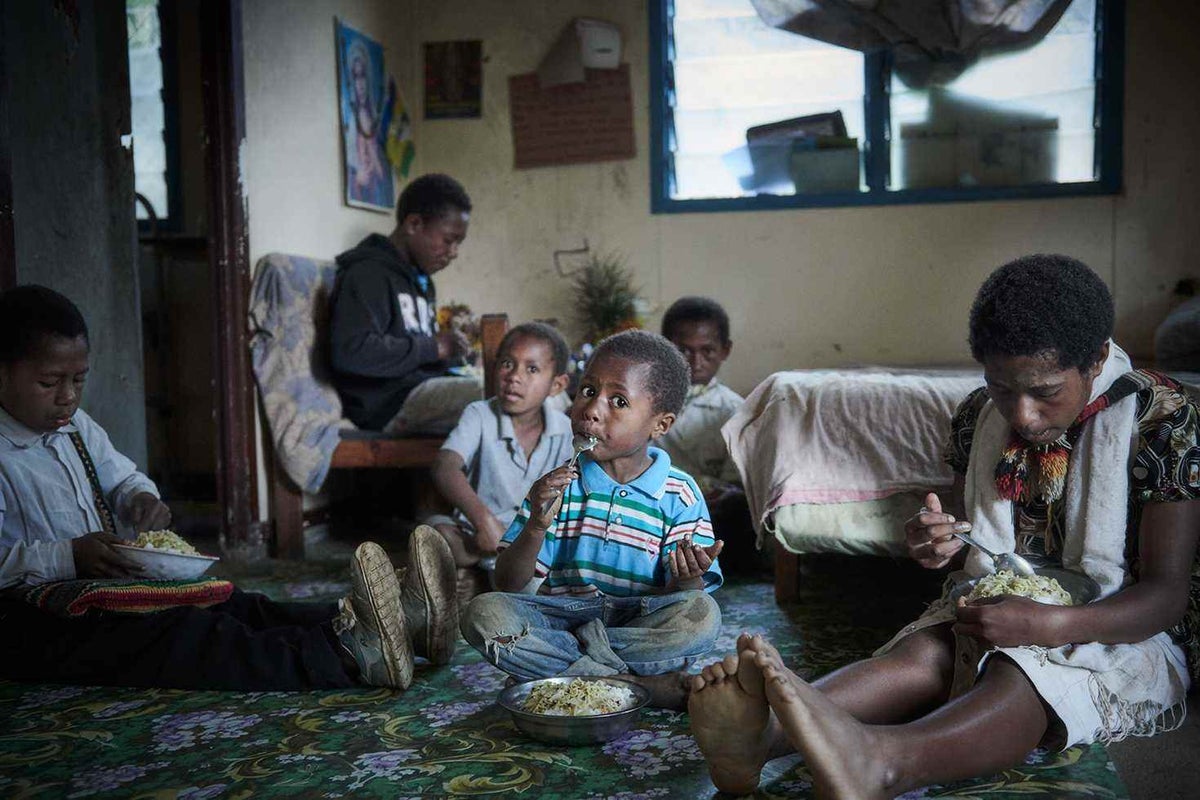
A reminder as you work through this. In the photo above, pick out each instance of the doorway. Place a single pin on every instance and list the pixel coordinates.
(186, 98)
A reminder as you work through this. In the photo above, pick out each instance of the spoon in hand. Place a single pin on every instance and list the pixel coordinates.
(580, 443)
(1009, 561)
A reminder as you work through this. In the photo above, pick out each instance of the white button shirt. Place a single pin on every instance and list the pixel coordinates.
(497, 468)
(46, 499)
(695, 443)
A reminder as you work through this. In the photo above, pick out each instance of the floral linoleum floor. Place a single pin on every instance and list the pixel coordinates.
(445, 737)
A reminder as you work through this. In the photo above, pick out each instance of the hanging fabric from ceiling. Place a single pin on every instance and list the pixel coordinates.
(932, 41)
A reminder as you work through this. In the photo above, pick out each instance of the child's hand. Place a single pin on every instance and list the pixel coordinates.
(488, 535)
(688, 562)
(95, 557)
(451, 344)
(929, 534)
(545, 496)
(1011, 621)
(147, 513)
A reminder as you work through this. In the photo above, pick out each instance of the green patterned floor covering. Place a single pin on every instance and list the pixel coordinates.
(445, 737)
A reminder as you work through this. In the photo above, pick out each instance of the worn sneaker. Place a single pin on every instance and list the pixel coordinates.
(428, 594)
(370, 622)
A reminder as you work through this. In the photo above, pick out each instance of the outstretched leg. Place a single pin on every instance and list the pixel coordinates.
(731, 721)
(669, 690)
(906, 683)
(988, 729)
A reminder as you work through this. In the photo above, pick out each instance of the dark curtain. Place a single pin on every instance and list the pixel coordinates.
(932, 41)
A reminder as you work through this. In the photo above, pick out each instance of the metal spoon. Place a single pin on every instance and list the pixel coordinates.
(580, 443)
(1009, 561)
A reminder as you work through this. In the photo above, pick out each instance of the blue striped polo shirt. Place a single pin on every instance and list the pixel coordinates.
(611, 538)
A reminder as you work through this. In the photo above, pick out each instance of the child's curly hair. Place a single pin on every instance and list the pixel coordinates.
(696, 309)
(669, 377)
(1042, 304)
(31, 312)
(546, 334)
(432, 196)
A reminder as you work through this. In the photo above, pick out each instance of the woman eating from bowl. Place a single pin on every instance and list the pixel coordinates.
(1067, 456)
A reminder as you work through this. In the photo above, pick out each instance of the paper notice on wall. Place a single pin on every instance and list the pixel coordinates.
(573, 123)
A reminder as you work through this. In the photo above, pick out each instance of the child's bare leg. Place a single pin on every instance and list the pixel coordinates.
(909, 681)
(669, 690)
(461, 546)
(990, 728)
(732, 723)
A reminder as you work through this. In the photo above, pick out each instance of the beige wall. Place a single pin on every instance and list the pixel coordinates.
(804, 288)
(291, 163)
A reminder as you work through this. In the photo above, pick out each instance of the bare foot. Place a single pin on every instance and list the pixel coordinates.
(726, 669)
(731, 721)
(715, 673)
(843, 754)
(668, 691)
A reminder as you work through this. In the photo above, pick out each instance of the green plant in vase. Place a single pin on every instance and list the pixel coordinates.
(606, 300)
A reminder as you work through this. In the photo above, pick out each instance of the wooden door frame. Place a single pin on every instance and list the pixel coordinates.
(242, 535)
(8, 240)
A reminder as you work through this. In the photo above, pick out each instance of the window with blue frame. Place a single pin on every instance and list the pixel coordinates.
(746, 116)
(150, 26)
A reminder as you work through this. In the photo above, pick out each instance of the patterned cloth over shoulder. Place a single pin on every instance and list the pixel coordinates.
(1165, 469)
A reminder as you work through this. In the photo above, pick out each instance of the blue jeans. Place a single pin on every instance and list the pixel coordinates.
(540, 636)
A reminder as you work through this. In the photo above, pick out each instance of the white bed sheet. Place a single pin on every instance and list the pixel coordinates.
(836, 460)
(820, 452)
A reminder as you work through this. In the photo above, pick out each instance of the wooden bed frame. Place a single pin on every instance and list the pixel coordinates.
(787, 574)
(287, 501)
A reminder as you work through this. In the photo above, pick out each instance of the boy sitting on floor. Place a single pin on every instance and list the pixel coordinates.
(390, 362)
(623, 542)
(500, 446)
(67, 496)
(699, 327)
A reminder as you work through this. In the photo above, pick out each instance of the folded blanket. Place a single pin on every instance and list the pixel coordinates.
(77, 597)
(847, 435)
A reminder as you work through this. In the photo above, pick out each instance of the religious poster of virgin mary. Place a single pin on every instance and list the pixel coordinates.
(366, 109)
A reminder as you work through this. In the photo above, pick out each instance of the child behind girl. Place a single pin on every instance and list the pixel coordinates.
(502, 445)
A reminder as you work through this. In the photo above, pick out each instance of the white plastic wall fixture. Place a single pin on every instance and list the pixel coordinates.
(584, 43)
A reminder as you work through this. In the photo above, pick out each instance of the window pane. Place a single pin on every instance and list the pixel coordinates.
(733, 73)
(1020, 118)
(145, 94)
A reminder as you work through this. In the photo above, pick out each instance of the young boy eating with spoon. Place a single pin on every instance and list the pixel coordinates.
(622, 541)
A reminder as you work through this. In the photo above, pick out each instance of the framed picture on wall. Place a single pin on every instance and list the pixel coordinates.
(453, 79)
(365, 108)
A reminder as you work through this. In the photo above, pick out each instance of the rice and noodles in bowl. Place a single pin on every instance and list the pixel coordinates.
(164, 540)
(1041, 588)
(579, 698)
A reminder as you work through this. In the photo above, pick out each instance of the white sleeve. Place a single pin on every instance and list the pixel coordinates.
(39, 562)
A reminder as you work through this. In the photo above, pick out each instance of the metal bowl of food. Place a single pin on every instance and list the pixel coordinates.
(1080, 587)
(563, 704)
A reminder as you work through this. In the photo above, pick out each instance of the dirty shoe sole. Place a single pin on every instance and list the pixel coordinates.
(430, 594)
(377, 603)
